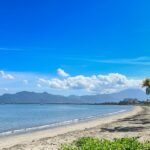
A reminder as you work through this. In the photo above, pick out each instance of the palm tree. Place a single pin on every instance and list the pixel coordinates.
(146, 83)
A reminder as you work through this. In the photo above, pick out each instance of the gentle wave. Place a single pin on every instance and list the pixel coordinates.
(58, 124)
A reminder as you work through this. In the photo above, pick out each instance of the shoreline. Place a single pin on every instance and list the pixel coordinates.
(29, 137)
(60, 124)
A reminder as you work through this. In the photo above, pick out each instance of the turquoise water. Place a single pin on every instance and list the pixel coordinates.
(15, 118)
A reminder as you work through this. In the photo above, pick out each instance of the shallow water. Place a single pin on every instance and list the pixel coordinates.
(16, 117)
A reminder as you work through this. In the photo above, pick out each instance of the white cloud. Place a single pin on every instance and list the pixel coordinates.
(25, 82)
(10, 49)
(97, 84)
(4, 89)
(110, 83)
(131, 61)
(39, 85)
(6, 76)
(62, 73)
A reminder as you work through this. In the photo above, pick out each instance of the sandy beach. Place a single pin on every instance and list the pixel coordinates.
(134, 123)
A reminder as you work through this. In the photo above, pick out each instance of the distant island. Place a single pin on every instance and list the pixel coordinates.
(128, 96)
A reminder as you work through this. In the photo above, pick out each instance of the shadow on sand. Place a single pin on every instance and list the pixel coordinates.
(122, 129)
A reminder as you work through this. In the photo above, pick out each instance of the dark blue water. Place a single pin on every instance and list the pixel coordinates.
(16, 117)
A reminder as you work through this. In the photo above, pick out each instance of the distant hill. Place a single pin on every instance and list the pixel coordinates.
(46, 98)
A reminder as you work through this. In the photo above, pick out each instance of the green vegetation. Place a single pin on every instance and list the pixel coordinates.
(89, 143)
(146, 83)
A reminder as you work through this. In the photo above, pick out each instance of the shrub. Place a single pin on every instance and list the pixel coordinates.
(89, 143)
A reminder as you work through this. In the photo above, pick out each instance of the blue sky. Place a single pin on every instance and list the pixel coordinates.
(82, 37)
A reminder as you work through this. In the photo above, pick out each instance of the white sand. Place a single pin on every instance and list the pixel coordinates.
(51, 139)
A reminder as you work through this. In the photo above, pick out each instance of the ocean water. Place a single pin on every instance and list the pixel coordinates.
(20, 118)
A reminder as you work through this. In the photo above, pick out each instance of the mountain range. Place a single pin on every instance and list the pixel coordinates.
(26, 97)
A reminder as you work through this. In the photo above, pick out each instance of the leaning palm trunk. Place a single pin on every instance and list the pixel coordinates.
(148, 90)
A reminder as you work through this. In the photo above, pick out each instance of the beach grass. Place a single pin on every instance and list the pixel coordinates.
(90, 143)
